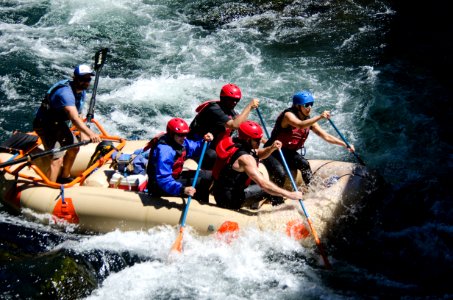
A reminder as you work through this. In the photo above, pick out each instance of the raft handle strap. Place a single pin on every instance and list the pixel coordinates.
(62, 194)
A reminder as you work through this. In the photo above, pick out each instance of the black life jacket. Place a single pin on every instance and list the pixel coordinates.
(200, 125)
(228, 151)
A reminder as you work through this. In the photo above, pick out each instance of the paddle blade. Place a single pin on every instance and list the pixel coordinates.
(228, 231)
(177, 245)
(99, 58)
(297, 230)
(320, 247)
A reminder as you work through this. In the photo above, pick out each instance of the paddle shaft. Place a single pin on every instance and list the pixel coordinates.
(177, 244)
(293, 183)
(346, 142)
(99, 61)
(31, 157)
(194, 182)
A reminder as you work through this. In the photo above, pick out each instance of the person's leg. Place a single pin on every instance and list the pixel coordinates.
(228, 198)
(275, 168)
(49, 139)
(254, 193)
(304, 166)
(68, 161)
(65, 138)
(54, 169)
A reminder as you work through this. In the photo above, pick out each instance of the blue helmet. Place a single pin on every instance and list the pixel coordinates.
(302, 98)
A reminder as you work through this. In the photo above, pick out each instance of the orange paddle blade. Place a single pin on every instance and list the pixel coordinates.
(228, 231)
(297, 230)
(177, 245)
(320, 247)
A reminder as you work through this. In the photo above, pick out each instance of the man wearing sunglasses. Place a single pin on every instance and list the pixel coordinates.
(292, 128)
(61, 108)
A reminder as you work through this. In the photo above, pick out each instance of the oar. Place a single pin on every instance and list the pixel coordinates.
(313, 231)
(31, 157)
(99, 60)
(177, 245)
(346, 142)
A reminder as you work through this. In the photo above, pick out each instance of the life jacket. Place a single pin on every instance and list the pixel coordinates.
(292, 138)
(45, 103)
(180, 157)
(228, 151)
(224, 150)
(196, 127)
(50, 115)
(205, 104)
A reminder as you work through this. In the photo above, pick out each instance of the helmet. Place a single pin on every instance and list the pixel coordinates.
(302, 98)
(177, 125)
(250, 129)
(82, 70)
(230, 91)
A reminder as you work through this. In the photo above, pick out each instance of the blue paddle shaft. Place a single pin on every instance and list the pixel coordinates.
(194, 182)
(288, 171)
(346, 142)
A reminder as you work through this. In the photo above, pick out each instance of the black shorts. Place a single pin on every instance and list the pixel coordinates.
(54, 135)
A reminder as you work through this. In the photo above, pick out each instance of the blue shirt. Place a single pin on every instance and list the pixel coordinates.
(163, 159)
(62, 97)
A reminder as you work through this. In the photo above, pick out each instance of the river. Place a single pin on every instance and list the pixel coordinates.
(382, 69)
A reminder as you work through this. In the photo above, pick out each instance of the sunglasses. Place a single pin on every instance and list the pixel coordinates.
(231, 99)
(84, 79)
(307, 105)
(181, 134)
(257, 140)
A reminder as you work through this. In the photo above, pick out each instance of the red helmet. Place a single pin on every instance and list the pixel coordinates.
(177, 125)
(230, 91)
(250, 129)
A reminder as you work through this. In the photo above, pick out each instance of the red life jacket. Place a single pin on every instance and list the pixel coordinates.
(203, 105)
(291, 137)
(179, 163)
(224, 150)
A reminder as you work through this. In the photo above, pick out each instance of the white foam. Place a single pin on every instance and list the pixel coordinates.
(207, 268)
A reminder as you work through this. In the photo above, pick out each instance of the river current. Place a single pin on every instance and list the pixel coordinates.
(378, 66)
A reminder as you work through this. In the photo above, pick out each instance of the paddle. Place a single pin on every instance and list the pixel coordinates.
(313, 231)
(177, 245)
(30, 157)
(347, 144)
(99, 60)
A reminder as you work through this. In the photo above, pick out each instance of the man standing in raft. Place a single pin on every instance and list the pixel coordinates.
(63, 103)
(237, 165)
(166, 162)
(292, 128)
(219, 118)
